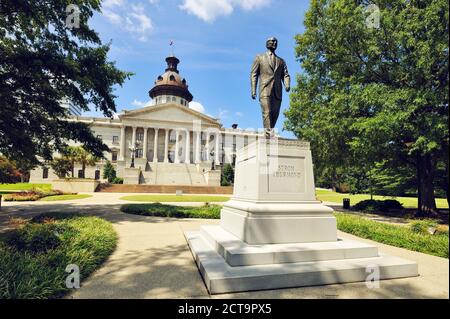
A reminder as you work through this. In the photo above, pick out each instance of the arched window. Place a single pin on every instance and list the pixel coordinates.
(160, 78)
(172, 78)
(174, 98)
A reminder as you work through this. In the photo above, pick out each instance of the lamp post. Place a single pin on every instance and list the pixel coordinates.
(213, 164)
(133, 149)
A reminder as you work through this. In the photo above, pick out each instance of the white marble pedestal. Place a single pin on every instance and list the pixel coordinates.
(274, 233)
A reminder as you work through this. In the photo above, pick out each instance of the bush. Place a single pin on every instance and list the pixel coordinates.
(162, 210)
(33, 257)
(394, 235)
(371, 205)
(117, 180)
(227, 177)
(425, 226)
(109, 172)
(32, 195)
(35, 237)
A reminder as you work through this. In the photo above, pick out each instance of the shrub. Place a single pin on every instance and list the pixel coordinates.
(423, 226)
(35, 237)
(162, 210)
(109, 172)
(32, 195)
(117, 180)
(227, 177)
(371, 205)
(33, 258)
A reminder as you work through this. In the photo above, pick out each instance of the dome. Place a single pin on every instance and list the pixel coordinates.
(171, 83)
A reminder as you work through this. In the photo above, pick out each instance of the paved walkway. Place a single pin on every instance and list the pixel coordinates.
(152, 260)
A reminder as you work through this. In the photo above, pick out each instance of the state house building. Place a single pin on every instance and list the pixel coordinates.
(172, 144)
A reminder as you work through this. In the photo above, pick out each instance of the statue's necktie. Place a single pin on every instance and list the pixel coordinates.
(272, 59)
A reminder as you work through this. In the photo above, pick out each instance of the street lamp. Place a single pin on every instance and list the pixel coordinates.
(133, 149)
(213, 164)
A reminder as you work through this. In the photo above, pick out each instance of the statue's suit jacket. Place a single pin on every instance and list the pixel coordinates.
(270, 76)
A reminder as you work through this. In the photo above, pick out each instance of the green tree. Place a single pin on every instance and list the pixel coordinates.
(109, 172)
(8, 171)
(85, 158)
(42, 62)
(227, 177)
(370, 94)
(71, 153)
(61, 166)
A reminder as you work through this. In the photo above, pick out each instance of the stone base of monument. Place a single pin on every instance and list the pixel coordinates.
(275, 234)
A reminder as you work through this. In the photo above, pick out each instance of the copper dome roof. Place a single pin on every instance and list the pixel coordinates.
(171, 83)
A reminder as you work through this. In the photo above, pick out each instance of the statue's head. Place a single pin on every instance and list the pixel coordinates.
(272, 43)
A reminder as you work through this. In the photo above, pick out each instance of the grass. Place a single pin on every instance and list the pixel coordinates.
(64, 197)
(408, 202)
(398, 236)
(34, 255)
(25, 187)
(175, 198)
(162, 210)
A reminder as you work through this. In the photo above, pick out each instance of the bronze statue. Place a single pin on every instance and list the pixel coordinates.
(270, 71)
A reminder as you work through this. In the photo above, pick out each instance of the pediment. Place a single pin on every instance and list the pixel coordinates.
(169, 112)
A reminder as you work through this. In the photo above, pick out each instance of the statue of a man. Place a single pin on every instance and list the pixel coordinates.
(270, 71)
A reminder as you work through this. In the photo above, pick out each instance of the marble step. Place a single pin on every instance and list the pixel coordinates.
(220, 277)
(238, 253)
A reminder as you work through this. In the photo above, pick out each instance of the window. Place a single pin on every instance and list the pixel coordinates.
(80, 173)
(97, 174)
(45, 173)
(114, 156)
(115, 139)
(174, 98)
(139, 153)
(140, 136)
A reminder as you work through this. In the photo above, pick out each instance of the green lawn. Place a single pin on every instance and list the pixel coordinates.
(394, 235)
(162, 210)
(34, 256)
(64, 197)
(409, 202)
(175, 198)
(25, 187)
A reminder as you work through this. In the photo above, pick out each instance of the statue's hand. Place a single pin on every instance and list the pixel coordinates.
(254, 96)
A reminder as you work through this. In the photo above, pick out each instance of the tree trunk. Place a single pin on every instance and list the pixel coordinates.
(73, 168)
(426, 167)
(83, 169)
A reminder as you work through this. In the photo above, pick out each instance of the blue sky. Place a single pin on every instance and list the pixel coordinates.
(216, 41)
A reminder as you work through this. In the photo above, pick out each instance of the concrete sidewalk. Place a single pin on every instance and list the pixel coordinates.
(153, 260)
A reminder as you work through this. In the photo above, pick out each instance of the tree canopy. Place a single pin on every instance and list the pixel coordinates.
(44, 61)
(372, 96)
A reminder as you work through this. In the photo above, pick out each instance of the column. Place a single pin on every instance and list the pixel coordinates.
(198, 146)
(133, 137)
(155, 147)
(145, 147)
(177, 157)
(166, 147)
(217, 149)
(188, 148)
(207, 150)
(122, 143)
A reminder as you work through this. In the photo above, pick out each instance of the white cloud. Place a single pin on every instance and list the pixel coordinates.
(141, 104)
(196, 106)
(209, 10)
(239, 114)
(138, 22)
(134, 20)
(223, 114)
